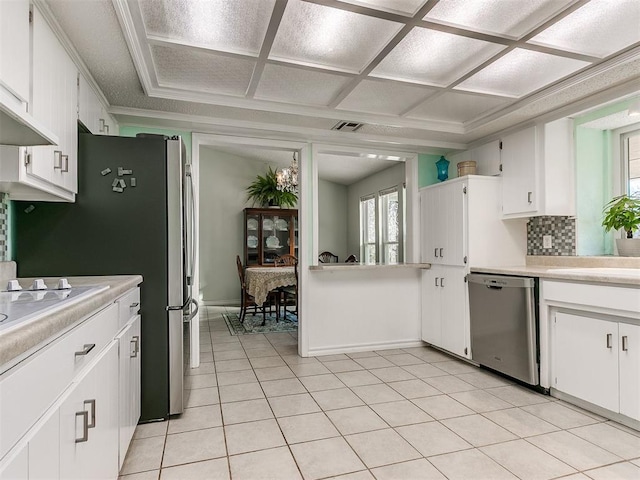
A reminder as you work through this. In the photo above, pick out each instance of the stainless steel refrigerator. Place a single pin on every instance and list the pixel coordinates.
(133, 215)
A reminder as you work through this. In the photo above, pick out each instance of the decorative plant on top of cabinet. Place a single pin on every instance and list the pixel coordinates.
(264, 192)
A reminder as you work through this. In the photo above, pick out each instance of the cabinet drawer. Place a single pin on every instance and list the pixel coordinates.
(128, 306)
(28, 389)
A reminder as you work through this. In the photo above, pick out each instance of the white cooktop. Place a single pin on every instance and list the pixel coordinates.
(18, 308)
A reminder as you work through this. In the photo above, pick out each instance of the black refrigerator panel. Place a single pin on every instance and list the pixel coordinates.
(107, 232)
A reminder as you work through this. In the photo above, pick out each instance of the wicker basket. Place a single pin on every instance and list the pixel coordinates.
(466, 168)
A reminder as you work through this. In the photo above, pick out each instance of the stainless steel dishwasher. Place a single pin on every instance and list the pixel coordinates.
(503, 325)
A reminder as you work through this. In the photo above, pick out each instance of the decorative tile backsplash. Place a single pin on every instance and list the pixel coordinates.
(562, 231)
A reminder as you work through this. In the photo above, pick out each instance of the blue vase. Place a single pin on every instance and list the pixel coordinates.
(443, 169)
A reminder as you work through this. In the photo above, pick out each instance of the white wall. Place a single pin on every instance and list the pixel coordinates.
(362, 309)
(332, 218)
(223, 180)
(394, 175)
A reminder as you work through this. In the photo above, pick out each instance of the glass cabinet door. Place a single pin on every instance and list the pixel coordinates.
(253, 239)
(275, 234)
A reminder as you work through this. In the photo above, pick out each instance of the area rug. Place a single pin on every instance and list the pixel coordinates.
(253, 323)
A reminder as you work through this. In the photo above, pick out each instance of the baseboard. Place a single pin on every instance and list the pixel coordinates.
(368, 347)
(221, 303)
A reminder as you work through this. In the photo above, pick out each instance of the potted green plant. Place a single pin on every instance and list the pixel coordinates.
(623, 213)
(264, 191)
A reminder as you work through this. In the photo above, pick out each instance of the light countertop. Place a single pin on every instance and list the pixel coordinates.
(20, 342)
(365, 266)
(615, 275)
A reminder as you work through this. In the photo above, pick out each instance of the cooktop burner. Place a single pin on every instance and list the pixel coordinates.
(19, 307)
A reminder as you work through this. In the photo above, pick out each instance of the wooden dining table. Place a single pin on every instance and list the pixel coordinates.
(262, 280)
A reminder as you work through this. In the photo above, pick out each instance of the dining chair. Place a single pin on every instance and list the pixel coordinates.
(351, 259)
(289, 294)
(327, 257)
(247, 300)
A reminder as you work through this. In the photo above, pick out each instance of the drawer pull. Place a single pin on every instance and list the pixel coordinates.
(92, 404)
(442, 281)
(87, 348)
(101, 124)
(136, 346)
(437, 282)
(85, 426)
(609, 340)
(134, 305)
(625, 343)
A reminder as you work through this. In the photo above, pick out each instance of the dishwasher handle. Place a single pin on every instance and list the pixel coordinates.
(497, 282)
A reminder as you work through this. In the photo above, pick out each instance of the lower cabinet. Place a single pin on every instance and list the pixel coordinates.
(445, 318)
(89, 422)
(129, 384)
(597, 360)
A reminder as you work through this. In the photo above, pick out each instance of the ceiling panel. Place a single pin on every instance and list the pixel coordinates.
(599, 28)
(203, 71)
(313, 34)
(238, 26)
(457, 107)
(520, 72)
(298, 85)
(511, 18)
(403, 7)
(434, 58)
(376, 96)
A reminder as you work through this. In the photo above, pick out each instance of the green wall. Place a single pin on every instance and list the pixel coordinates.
(427, 172)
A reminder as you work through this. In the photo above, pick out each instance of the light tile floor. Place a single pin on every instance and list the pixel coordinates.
(256, 410)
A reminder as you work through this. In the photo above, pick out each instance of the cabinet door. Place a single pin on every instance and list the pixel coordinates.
(44, 450)
(455, 324)
(129, 380)
(629, 370)
(252, 238)
(519, 156)
(429, 199)
(585, 359)
(452, 224)
(92, 452)
(88, 106)
(68, 172)
(14, 47)
(431, 306)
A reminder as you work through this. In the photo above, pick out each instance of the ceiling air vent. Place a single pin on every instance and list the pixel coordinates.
(347, 126)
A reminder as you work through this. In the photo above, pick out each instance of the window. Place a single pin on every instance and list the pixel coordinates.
(382, 226)
(368, 229)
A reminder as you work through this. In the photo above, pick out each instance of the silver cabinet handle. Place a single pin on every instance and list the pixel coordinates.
(134, 305)
(437, 282)
(92, 404)
(136, 346)
(85, 426)
(625, 342)
(435, 252)
(442, 281)
(102, 124)
(441, 255)
(87, 348)
(106, 129)
(609, 340)
(66, 163)
(529, 194)
(57, 159)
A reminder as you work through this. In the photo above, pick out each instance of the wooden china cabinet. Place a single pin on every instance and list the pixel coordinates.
(269, 233)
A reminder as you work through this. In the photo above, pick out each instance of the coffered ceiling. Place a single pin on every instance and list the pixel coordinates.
(420, 72)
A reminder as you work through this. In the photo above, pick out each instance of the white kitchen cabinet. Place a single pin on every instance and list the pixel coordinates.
(629, 363)
(129, 388)
(586, 359)
(444, 309)
(17, 466)
(91, 111)
(54, 103)
(538, 171)
(44, 449)
(89, 422)
(14, 48)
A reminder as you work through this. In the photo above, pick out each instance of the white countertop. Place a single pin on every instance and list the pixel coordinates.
(365, 266)
(19, 342)
(617, 275)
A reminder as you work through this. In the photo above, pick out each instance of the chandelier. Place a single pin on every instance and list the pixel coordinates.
(287, 178)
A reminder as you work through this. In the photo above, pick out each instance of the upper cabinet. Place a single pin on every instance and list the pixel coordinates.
(91, 112)
(538, 171)
(14, 47)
